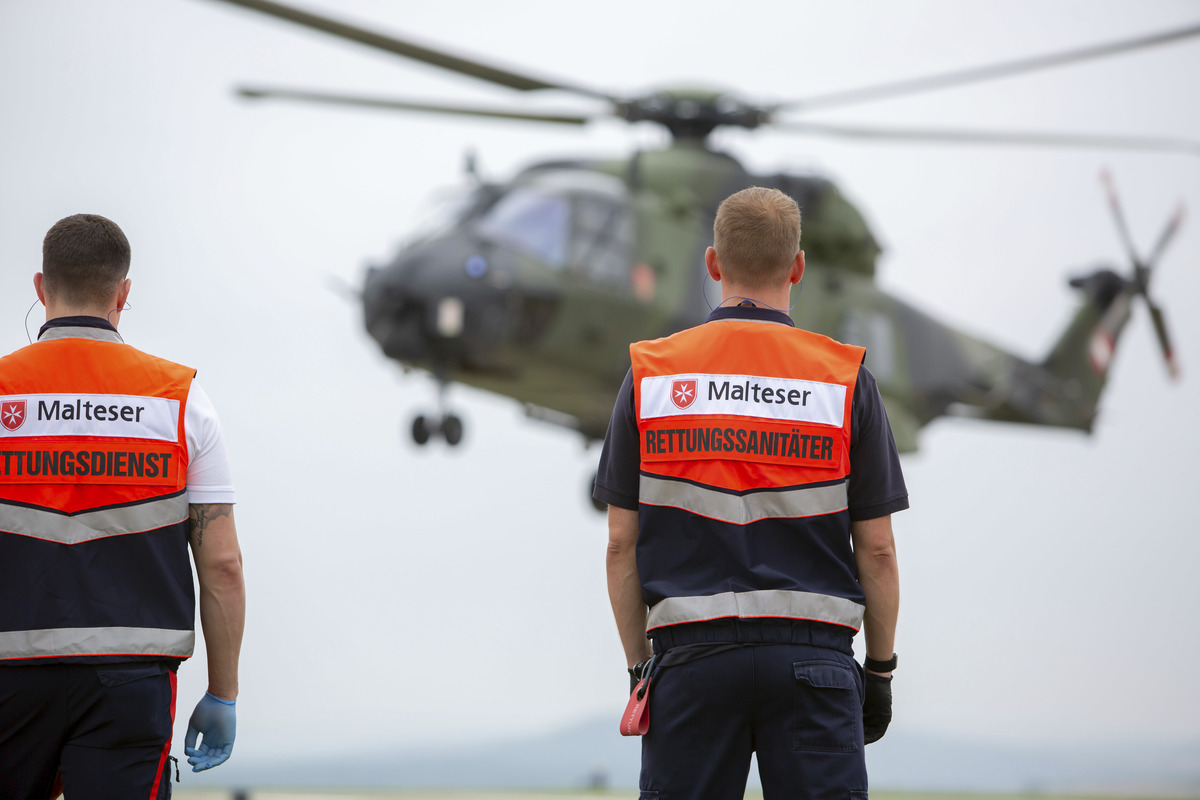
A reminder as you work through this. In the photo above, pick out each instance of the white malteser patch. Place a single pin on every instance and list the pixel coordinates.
(120, 415)
(743, 396)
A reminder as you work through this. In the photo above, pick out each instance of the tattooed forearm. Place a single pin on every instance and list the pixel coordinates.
(201, 514)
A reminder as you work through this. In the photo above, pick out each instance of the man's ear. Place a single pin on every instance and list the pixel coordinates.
(123, 292)
(38, 279)
(713, 265)
(797, 271)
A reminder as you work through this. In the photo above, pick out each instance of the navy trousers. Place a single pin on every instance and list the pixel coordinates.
(104, 728)
(798, 706)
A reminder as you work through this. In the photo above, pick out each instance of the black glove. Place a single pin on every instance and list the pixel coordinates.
(877, 707)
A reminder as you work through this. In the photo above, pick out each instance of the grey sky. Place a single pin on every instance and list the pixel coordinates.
(399, 595)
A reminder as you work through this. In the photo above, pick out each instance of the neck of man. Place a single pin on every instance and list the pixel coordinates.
(778, 297)
(55, 310)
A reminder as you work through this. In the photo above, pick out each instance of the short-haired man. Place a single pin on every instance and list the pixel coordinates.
(113, 463)
(751, 475)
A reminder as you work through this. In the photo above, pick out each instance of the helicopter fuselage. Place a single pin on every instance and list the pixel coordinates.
(536, 288)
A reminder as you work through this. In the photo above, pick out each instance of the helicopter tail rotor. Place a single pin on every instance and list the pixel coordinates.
(1083, 354)
(1143, 269)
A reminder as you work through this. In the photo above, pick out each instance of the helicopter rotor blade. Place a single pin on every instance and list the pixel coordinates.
(358, 101)
(1015, 138)
(1114, 203)
(1167, 235)
(409, 49)
(1164, 340)
(988, 72)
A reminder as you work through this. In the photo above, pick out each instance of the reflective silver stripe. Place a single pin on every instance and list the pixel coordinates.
(775, 603)
(82, 332)
(75, 528)
(743, 508)
(97, 642)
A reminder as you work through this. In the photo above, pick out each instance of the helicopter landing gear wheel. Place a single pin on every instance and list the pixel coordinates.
(445, 424)
(421, 430)
(452, 429)
(449, 427)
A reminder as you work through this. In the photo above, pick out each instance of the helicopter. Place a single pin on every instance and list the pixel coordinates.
(533, 287)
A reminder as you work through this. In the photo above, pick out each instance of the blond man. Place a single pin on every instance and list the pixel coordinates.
(751, 475)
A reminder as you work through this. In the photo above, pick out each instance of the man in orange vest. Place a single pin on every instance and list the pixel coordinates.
(751, 475)
(112, 463)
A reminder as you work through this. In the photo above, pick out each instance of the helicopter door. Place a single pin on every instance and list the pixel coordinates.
(602, 240)
(601, 305)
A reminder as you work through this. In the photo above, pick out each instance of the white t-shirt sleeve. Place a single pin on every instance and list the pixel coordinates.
(209, 479)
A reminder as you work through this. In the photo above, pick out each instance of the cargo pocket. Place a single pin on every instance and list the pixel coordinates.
(827, 711)
(137, 696)
(117, 674)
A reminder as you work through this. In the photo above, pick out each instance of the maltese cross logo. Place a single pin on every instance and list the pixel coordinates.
(683, 393)
(12, 414)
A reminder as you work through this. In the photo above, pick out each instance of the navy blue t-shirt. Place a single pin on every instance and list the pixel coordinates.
(876, 484)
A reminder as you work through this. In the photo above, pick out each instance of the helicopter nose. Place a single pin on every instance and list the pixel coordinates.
(448, 304)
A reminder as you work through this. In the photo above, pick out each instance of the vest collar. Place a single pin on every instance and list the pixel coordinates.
(753, 313)
(79, 328)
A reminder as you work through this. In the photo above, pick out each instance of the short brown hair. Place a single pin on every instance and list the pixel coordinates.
(84, 259)
(757, 235)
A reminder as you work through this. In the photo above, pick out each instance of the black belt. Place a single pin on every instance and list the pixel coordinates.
(754, 631)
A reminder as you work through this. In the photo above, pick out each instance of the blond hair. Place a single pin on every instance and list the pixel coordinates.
(757, 236)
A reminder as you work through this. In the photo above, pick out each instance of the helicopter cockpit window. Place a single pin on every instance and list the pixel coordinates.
(533, 220)
(574, 219)
(602, 239)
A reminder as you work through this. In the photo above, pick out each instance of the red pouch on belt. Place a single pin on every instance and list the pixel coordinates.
(637, 713)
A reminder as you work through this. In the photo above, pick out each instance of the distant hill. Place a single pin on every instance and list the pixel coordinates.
(591, 753)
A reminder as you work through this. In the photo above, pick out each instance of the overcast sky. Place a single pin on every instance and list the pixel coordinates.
(400, 595)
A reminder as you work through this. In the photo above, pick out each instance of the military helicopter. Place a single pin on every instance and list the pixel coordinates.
(532, 288)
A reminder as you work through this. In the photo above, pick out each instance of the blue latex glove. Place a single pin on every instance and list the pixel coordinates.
(216, 720)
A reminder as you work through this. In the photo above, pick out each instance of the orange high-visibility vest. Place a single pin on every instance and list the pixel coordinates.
(744, 430)
(93, 503)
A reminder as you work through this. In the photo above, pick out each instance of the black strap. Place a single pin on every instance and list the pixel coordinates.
(880, 666)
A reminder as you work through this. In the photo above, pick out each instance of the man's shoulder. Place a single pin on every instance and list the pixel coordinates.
(130, 352)
(674, 336)
(122, 356)
(164, 363)
(819, 339)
